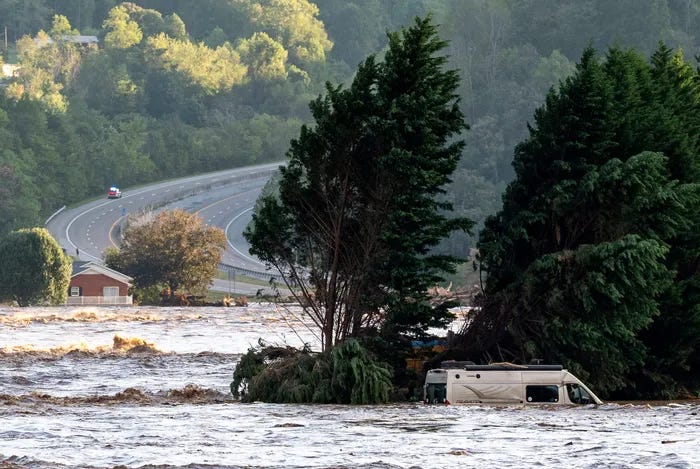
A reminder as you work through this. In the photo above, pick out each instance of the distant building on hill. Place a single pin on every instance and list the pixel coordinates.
(9, 70)
(84, 41)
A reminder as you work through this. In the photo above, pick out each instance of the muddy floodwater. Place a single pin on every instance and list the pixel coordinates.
(149, 388)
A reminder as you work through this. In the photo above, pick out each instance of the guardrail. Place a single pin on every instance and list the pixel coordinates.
(54, 214)
(224, 181)
(252, 273)
(179, 195)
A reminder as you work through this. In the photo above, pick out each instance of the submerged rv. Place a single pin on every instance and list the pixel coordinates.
(504, 383)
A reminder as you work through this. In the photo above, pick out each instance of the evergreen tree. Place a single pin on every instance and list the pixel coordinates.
(581, 259)
(674, 337)
(360, 202)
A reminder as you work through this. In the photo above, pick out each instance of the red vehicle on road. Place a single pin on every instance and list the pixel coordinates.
(114, 193)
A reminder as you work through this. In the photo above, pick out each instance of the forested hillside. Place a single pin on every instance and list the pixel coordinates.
(175, 87)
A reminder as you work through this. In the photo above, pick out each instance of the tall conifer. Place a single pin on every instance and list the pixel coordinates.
(592, 254)
(360, 203)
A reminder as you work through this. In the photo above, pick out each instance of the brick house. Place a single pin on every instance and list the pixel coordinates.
(94, 284)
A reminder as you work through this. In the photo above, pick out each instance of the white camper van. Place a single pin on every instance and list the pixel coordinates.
(504, 383)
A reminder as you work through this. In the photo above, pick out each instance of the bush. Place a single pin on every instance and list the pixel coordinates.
(348, 374)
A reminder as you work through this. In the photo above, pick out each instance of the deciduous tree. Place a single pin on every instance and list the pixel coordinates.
(174, 248)
(122, 31)
(213, 70)
(34, 268)
(294, 24)
(48, 66)
(266, 58)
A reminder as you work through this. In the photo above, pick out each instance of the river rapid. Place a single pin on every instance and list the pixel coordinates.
(147, 387)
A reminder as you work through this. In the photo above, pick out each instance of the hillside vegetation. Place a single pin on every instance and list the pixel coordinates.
(175, 87)
(579, 166)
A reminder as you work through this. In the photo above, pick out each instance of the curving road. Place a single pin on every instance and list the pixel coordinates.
(224, 199)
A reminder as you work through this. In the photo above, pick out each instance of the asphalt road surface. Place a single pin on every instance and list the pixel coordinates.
(224, 199)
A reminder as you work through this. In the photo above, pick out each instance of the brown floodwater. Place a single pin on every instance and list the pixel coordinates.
(147, 387)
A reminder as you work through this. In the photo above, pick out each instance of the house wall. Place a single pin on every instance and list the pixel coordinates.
(92, 284)
(9, 70)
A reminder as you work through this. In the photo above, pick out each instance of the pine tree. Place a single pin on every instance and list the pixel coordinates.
(359, 204)
(674, 337)
(580, 260)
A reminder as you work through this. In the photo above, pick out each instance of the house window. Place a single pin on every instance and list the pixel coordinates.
(110, 291)
(74, 291)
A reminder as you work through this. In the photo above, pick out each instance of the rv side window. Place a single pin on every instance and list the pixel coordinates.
(436, 393)
(548, 393)
(578, 395)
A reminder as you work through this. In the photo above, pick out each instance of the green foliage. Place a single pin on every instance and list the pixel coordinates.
(150, 21)
(46, 67)
(348, 374)
(508, 53)
(34, 269)
(175, 27)
(360, 201)
(217, 37)
(174, 248)
(75, 119)
(106, 86)
(357, 28)
(553, 68)
(266, 58)
(27, 17)
(61, 26)
(292, 23)
(594, 248)
(212, 69)
(18, 202)
(357, 378)
(591, 304)
(251, 364)
(122, 31)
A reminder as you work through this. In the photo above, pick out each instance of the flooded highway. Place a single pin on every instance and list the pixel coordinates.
(148, 387)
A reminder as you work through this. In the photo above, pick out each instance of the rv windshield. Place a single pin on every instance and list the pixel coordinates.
(578, 395)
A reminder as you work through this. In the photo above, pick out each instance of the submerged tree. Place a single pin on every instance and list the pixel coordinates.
(174, 249)
(348, 374)
(585, 256)
(34, 268)
(359, 204)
